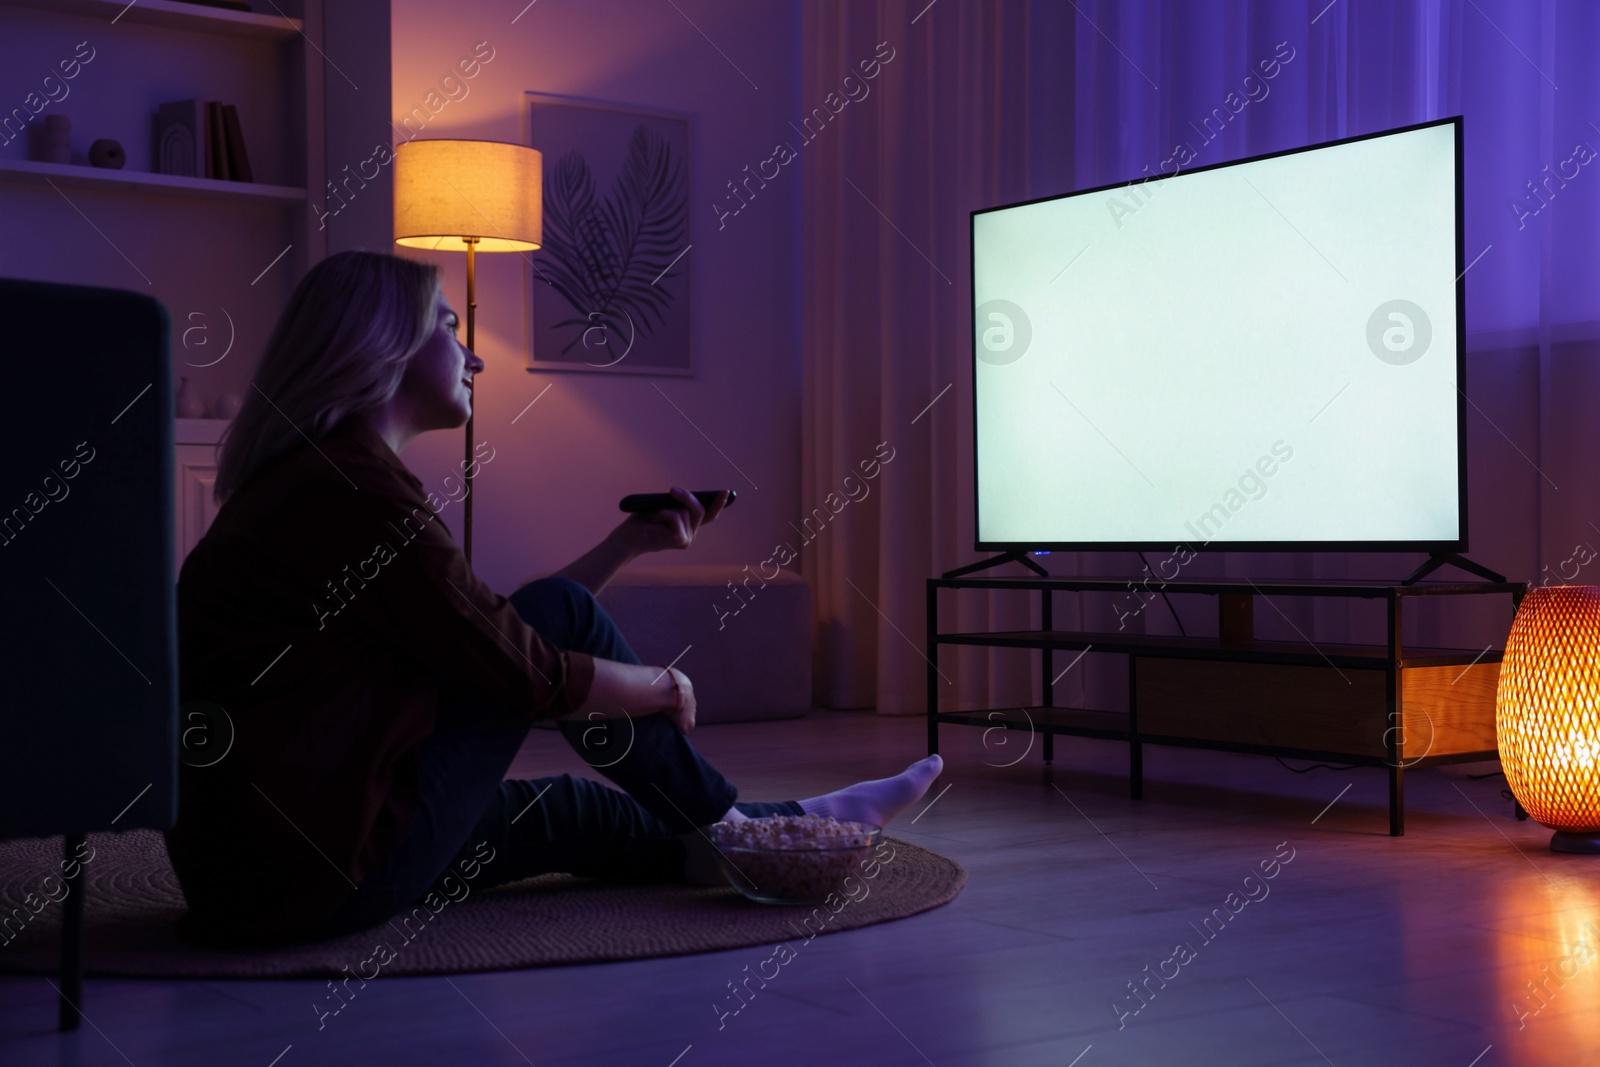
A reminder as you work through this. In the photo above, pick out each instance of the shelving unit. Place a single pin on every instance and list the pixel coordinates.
(294, 102)
(222, 256)
(72, 174)
(300, 90)
(174, 14)
(1306, 700)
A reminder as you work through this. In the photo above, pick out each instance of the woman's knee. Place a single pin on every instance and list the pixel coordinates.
(555, 587)
(569, 616)
(554, 606)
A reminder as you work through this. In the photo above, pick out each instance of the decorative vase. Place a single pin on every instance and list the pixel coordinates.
(190, 406)
(1547, 713)
(108, 154)
(227, 406)
(55, 140)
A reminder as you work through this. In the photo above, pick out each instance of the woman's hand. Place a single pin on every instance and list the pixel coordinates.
(626, 690)
(652, 531)
(683, 715)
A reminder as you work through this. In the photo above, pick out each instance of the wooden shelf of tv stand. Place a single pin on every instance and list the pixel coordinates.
(1376, 705)
(1334, 587)
(1116, 726)
(1321, 654)
(1084, 722)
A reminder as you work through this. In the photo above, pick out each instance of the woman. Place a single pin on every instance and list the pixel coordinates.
(353, 694)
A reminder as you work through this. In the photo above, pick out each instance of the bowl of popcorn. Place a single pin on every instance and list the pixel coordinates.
(792, 859)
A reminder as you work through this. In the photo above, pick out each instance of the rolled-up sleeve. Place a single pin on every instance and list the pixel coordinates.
(409, 581)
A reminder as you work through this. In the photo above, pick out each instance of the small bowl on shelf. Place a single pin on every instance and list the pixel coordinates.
(792, 859)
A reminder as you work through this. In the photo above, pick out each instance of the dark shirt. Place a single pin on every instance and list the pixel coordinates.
(325, 611)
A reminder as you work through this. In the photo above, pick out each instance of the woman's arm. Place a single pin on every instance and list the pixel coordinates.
(639, 533)
(625, 690)
(595, 568)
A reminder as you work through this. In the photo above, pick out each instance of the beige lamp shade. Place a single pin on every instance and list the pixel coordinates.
(446, 190)
(1547, 709)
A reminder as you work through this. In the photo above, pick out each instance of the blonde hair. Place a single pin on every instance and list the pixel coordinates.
(340, 348)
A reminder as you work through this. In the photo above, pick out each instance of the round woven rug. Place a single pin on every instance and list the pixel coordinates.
(133, 903)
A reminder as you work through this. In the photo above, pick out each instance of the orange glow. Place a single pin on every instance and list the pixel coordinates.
(1547, 709)
(1546, 938)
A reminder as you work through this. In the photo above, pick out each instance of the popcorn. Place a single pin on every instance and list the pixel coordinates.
(792, 858)
(794, 832)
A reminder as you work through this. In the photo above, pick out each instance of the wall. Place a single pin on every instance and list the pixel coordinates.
(552, 490)
(356, 123)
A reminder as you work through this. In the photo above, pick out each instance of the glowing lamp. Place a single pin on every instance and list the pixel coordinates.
(468, 196)
(1547, 713)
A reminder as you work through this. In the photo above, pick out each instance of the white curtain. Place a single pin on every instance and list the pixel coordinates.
(985, 103)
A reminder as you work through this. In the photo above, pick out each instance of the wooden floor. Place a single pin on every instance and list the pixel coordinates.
(1364, 949)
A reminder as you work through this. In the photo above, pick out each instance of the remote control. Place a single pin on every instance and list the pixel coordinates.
(657, 501)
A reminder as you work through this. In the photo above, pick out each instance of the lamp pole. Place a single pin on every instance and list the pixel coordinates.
(472, 308)
(494, 191)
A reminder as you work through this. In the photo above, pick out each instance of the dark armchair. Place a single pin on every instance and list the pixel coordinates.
(88, 637)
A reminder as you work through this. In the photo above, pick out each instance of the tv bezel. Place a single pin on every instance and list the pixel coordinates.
(1457, 545)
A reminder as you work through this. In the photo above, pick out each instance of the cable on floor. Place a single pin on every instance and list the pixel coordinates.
(1170, 608)
(1315, 766)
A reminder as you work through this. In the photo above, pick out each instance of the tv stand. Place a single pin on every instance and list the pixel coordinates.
(996, 561)
(1387, 705)
(1440, 559)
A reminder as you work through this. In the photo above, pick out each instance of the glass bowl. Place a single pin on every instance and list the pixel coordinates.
(804, 869)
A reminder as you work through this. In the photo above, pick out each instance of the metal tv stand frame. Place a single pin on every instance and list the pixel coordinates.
(1332, 702)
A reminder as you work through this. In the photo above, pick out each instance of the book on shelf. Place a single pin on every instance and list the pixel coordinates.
(238, 159)
(230, 5)
(201, 139)
(218, 146)
(183, 137)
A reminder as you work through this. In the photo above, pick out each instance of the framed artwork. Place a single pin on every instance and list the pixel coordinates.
(611, 282)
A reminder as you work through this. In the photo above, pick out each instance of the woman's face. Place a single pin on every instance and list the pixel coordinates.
(436, 381)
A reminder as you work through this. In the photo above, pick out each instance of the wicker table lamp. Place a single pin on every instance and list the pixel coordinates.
(1547, 713)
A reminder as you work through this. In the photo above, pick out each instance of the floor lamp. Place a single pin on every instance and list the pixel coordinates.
(471, 196)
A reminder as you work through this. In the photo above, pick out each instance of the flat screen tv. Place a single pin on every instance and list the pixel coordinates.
(1266, 354)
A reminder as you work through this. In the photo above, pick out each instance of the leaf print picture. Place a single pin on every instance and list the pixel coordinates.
(611, 281)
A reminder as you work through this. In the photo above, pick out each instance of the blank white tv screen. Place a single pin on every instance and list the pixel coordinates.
(1262, 354)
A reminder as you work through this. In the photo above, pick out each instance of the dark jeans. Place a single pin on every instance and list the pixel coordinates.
(469, 819)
